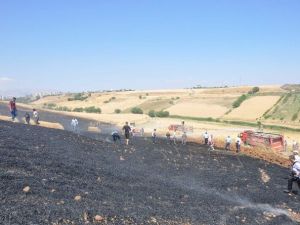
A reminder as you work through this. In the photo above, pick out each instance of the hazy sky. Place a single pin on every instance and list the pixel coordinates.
(146, 44)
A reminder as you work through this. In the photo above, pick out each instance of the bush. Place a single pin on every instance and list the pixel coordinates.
(171, 102)
(254, 90)
(151, 113)
(162, 114)
(137, 110)
(239, 101)
(92, 109)
(63, 108)
(78, 109)
(117, 111)
(295, 116)
(140, 97)
(78, 97)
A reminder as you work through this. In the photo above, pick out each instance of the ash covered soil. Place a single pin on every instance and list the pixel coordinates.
(74, 178)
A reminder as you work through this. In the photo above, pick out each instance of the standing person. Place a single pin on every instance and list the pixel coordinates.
(127, 130)
(168, 135)
(294, 145)
(13, 108)
(228, 143)
(27, 118)
(74, 124)
(142, 132)
(211, 143)
(238, 144)
(174, 137)
(295, 176)
(154, 136)
(36, 117)
(285, 145)
(206, 136)
(184, 138)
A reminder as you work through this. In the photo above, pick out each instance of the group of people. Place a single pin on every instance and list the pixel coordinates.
(209, 141)
(13, 111)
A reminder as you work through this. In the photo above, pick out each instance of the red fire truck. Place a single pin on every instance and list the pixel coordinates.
(267, 140)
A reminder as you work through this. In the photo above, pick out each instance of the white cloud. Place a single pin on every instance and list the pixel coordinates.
(5, 79)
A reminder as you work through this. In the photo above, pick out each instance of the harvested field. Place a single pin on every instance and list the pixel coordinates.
(56, 177)
(197, 110)
(253, 108)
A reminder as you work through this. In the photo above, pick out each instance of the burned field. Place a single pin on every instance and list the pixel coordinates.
(72, 179)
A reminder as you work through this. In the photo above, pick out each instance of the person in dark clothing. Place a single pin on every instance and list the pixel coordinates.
(127, 130)
(27, 118)
(115, 135)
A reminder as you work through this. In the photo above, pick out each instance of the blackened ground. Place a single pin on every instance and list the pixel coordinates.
(54, 117)
(143, 183)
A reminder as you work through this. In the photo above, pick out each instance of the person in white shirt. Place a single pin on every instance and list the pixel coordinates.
(74, 124)
(238, 144)
(295, 176)
(228, 143)
(206, 137)
(211, 143)
(36, 117)
(174, 137)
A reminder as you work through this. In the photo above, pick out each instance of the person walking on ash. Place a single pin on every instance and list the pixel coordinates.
(127, 130)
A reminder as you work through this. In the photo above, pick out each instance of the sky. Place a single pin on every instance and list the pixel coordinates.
(78, 45)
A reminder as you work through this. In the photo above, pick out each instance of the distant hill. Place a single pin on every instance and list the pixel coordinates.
(291, 87)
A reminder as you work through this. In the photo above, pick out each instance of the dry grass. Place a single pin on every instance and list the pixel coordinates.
(253, 108)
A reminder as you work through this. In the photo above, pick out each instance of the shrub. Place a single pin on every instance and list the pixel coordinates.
(239, 101)
(92, 109)
(105, 102)
(137, 110)
(63, 108)
(295, 116)
(140, 97)
(117, 111)
(78, 109)
(254, 90)
(151, 113)
(162, 114)
(171, 102)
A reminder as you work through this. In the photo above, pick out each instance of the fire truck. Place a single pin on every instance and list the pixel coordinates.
(267, 140)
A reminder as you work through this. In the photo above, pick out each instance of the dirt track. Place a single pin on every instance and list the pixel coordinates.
(154, 184)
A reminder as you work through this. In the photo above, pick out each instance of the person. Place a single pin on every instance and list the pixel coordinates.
(228, 143)
(295, 176)
(142, 132)
(154, 136)
(184, 138)
(13, 108)
(27, 118)
(74, 124)
(211, 143)
(285, 145)
(238, 144)
(168, 135)
(206, 136)
(174, 137)
(295, 146)
(127, 130)
(296, 156)
(115, 135)
(36, 117)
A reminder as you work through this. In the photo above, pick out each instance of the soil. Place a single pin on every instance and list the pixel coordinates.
(53, 176)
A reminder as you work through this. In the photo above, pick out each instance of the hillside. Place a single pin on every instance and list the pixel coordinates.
(204, 102)
(55, 177)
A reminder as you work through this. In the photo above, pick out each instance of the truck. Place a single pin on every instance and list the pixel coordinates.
(262, 139)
